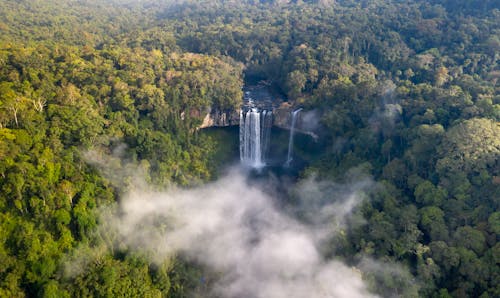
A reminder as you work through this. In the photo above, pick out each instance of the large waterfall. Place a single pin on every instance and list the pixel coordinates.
(255, 126)
(289, 157)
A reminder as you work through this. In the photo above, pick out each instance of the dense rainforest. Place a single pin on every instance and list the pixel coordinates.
(406, 92)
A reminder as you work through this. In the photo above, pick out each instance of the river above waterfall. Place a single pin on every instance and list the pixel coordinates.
(261, 96)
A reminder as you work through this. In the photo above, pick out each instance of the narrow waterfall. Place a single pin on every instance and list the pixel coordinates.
(289, 157)
(255, 128)
(267, 122)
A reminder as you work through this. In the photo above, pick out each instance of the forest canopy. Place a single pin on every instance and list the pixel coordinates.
(405, 91)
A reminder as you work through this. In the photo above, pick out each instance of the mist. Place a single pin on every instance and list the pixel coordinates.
(389, 112)
(237, 230)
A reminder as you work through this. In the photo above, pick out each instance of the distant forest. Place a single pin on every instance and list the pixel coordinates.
(407, 92)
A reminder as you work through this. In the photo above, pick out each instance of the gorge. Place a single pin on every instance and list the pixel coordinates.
(261, 110)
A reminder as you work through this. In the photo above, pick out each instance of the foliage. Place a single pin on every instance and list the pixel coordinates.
(406, 89)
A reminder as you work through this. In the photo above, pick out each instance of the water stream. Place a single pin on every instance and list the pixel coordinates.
(289, 156)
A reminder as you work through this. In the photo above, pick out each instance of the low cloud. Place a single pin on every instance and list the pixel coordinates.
(385, 119)
(309, 120)
(327, 205)
(391, 279)
(235, 229)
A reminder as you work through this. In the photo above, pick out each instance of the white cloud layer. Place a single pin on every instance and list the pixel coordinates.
(237, 230)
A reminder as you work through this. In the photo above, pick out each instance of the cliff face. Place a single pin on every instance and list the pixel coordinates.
(218, 118)
(281, 118)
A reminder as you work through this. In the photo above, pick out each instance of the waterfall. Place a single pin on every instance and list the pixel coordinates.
(255, 128)
(289, 157)
(242, 135)
(267, 122)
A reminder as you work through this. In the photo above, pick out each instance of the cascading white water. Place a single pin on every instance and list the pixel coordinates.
(289, 157)
(242, 135)
(254, 136)
(267, 122)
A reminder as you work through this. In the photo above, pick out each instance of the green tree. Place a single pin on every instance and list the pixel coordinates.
(471, 145)
(433, 224)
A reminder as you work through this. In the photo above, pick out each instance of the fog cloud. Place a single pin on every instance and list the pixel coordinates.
(389, 112)
(238, 231)
(309, 120)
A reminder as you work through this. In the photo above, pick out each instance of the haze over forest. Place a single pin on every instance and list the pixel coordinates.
(375, 172)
